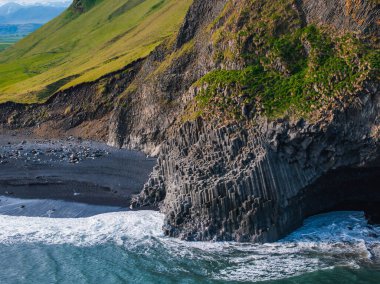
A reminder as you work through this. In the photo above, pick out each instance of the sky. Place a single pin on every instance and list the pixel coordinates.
(31, 2)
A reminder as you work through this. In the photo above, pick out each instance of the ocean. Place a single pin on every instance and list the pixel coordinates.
(129, 247)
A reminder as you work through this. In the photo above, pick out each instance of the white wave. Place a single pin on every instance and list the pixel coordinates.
(110, 227)
(325, 241)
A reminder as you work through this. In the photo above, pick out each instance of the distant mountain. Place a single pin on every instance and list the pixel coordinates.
(13, 13)
(9, 8)
(55, 3)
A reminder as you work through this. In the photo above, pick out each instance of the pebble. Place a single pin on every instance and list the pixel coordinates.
(70, 150)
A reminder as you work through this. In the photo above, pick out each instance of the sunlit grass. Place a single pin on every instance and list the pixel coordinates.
(109, 36)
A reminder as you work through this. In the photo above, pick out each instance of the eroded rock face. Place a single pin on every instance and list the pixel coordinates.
(143, 116)
(344, 15)
(258, 180)
(83, 110)
(82, 6)
(249, 182)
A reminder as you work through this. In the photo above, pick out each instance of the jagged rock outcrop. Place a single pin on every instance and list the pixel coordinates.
(344, 15)
(258, 179)
(82, 6)
(253, 183)
(144, 113)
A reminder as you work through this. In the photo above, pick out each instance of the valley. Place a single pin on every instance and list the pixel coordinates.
(10, 34)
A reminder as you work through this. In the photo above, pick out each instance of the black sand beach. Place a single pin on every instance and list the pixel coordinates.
(51, 174)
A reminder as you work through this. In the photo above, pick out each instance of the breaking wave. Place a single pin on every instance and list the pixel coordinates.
(337, 239)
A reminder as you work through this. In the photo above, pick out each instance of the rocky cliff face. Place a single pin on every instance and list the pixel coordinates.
(82, 111)
(159, 94)
(255, 177)
(343, 15)
(82, 6)
(255, 183)
(261, 114)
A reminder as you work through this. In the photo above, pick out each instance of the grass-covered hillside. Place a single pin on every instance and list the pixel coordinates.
(92, 38)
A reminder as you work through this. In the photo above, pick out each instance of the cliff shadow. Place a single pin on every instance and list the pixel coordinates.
(346, 189)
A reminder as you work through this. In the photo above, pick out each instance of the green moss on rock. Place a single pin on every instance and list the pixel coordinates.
(300, 72)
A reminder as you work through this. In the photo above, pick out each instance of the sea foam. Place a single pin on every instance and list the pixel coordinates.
(110, 227)
(324, 242)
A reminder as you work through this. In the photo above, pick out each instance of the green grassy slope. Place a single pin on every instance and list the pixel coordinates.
(81, 45)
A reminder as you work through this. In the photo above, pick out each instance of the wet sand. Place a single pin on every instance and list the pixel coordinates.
(52, 208)
(69, 169)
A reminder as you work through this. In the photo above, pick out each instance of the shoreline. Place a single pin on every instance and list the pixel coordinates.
(71, 170)
(56, 209)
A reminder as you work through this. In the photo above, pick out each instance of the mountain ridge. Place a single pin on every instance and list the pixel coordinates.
(17, 20)
(13, 13)
(63, 3)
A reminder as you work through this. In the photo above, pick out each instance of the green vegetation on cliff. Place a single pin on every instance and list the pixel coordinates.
(285, 68)
(91, 39)
(310, 82)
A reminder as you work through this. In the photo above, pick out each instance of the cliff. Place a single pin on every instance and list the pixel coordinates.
(261, 114)
(240, 163)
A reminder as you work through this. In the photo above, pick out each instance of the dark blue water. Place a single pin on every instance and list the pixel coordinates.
(128, 247)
